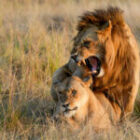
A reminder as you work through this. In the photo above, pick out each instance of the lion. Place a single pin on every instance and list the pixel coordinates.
(78, 105)
(117, 51)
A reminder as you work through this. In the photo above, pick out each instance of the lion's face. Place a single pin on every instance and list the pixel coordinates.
(94, 49)
(72, 96)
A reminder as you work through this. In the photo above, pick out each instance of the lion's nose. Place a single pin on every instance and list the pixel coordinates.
(74, 57)
(65, 105)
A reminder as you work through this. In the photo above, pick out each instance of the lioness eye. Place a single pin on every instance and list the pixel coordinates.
(74, 92)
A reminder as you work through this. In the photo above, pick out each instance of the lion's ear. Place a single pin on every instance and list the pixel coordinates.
(104, 30)
(107, 26)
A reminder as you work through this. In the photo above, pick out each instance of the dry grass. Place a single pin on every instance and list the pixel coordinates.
(36, 39)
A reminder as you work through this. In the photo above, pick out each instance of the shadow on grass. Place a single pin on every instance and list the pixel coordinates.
(21, 110)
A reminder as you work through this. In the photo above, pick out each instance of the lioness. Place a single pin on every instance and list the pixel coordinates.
(79, 105)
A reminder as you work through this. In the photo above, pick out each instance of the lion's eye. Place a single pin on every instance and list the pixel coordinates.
(74, 92)
(86, 44)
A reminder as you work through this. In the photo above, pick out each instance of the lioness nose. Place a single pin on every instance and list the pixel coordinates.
(65, 105)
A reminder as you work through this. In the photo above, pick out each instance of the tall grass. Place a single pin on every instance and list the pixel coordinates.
(36, 39)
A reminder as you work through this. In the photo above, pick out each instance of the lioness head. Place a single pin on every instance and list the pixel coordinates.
(72, 96)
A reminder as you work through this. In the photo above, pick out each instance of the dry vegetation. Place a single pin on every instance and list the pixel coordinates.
(36, 39)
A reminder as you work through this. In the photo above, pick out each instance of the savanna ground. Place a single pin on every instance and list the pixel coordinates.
(36, 39)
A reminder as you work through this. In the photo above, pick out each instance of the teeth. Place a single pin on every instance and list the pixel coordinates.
(102, 72)
(79, 63)
(94, 71)
(84, 62)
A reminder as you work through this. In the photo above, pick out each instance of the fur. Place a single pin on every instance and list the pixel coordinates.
(90, 108)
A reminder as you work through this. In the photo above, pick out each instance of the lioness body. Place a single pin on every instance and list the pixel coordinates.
(79, 105)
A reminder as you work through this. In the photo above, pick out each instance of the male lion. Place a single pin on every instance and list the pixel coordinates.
(117, 51)
(77, 104)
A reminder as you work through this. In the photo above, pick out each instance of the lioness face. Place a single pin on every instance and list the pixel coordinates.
(72, 96)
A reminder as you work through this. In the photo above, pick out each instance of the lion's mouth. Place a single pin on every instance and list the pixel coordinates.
(94, 65)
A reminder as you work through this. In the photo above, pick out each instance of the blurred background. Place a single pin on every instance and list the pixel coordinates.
(35, 40)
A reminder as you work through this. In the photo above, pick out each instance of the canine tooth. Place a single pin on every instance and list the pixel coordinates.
(102, 72)
(84, 62)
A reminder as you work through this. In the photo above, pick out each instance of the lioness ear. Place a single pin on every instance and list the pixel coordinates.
(79, 80)
(59, 86)
(76, 78)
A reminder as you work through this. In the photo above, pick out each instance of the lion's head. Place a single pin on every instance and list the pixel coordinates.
(102, 35)
(72, 96)
(114, 53)
(94, 43)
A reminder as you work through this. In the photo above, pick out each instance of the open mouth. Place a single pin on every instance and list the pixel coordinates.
(94, 65)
